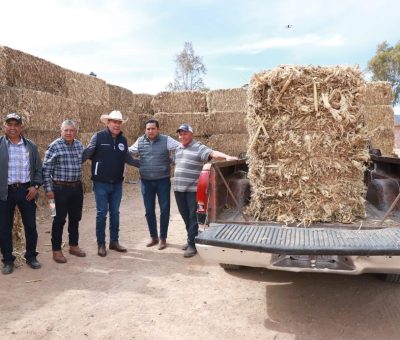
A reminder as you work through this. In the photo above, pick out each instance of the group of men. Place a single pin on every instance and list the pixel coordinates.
(22, 173)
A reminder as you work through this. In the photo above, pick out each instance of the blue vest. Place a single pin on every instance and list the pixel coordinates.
(108, 161)
(154, 158)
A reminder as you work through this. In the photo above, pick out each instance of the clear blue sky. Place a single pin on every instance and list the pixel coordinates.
(133, 43)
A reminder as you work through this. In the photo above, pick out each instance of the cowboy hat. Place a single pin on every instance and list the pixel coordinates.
(114, 115)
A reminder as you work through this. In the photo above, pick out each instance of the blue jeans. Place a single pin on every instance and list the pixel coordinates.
(17, 197)
(108, 199)
(161, 188)
(187, 206)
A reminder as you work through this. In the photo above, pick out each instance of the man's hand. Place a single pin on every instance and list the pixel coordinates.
(32, 192)
(232, 158)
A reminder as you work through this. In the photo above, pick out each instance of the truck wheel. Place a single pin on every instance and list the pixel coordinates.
(393, 278)
(228, 266)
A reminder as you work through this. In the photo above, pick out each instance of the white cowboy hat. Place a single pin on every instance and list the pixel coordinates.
(114, 115)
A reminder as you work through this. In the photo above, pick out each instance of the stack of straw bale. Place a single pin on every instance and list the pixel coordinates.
(186, 101)
(86, 89)
(141, 103)
(307, 144)
(379, 115)
(119, 97)
(227, 100)
(22, 70)
(18, 238)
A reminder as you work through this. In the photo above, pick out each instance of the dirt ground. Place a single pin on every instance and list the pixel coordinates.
(151, 294)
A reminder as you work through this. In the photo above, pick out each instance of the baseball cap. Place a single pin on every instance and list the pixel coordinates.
(185, 127)
(14, 116)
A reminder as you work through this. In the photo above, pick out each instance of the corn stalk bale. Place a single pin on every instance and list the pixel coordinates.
(141, 103)
(232, 144)
(227, 100)
(186, 101)
(18, 237)
(307, 145)
(89, 116)
(227, 122)
(119, 98)
(86, 89)
(383, 139)
(377, 93)
(169, 122)
(26, 71)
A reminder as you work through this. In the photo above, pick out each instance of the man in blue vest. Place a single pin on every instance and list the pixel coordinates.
(154, 150)
(108, 150)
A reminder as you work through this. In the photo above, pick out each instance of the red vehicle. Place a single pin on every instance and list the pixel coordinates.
(233, 240)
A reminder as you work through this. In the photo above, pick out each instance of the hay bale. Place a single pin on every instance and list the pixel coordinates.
(306, 160)
(141, 103)
(119, 98)
(227, 122)
(383, 139)
(186, 101)
(132, 127)
(9, 99)
(86, 89)
(42, 138)
(89, 116)
(18, 237)
(23, 70)
(232, 144)
(169, 122)
(227, 100)
(377, 93)
(131, 174)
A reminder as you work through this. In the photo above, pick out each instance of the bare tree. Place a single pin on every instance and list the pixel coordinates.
(188, 72)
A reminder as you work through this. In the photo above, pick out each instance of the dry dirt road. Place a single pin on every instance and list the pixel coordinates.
(152, 294)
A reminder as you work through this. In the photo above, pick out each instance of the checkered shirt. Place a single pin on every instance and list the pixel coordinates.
(18, 163)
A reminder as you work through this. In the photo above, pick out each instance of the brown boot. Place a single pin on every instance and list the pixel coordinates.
(152, 242)
(58, 256)
(162, 245)
(75, 250)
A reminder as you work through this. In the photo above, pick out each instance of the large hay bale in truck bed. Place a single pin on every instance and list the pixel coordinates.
(23, 70)
(86, 89)
(119, 97)
(141, 103)
(186, 101)
(169, 122)
(227, 100)
(307, 144)
(377, 93)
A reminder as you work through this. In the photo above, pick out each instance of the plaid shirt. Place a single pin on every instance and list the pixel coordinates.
(62, 162)
(18, 163)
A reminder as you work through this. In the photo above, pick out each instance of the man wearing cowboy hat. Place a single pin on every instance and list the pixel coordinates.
(108, 150)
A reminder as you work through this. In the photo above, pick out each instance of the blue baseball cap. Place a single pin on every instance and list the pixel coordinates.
(185, 127)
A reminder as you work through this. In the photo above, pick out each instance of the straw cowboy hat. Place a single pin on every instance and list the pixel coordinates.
(114, 115)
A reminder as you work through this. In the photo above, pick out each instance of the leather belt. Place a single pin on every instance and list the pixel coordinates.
(67, 183)
(19, 185)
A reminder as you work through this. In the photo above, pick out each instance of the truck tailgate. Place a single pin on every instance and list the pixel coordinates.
(302, 241)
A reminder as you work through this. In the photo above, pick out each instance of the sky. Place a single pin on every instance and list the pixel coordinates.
(134, 43)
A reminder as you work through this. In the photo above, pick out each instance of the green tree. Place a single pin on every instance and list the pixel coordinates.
(188, 72)
(385, 65)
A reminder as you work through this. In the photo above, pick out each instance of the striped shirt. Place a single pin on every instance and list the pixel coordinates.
(188, 164)
(62, 162)
(18, 163)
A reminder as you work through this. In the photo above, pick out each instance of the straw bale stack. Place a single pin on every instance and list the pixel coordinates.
(86, 89)
(186, 101)
(18, 237)
(227, 100)
(119, 98)
(131, 174)
(23, 70)
(227, 122)
(132, 127)
(169, 122)
(141, 103)
(143, 118)
(89, 116)
(307, 145)
(9, 98)
(232, 144)
(377, 93)
(43, 138)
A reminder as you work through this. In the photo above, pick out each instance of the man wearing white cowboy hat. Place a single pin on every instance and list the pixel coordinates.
(108, 150)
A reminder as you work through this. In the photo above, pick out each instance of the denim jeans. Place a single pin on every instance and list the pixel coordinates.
(160, 188)
(17, 197)
(187, 206)
(69, 201)
(108, 199)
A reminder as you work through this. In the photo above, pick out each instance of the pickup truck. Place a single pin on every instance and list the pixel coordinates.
(232, 239)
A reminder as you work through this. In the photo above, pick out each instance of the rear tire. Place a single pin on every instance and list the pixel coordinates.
(228, 266)
(392, 278)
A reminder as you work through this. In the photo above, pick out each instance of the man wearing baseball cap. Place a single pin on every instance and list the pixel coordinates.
(20, 178)
(189, 159)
